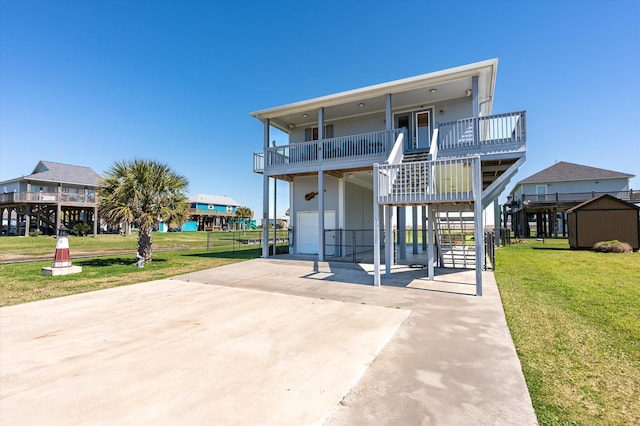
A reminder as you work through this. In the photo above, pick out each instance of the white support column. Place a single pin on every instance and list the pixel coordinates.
(424, 228)
(474, 93)
(478, 227)
(388, 240)
(388, 112)
(265, 193)
(275, 214)
(414, 230)
(402, 232)
(321, 216)
(431, 246)
(496, 222)
(376, 229)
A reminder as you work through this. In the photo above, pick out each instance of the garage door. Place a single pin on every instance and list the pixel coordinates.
(307, 235)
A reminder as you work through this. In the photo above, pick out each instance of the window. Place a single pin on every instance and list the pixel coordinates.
(311, 133)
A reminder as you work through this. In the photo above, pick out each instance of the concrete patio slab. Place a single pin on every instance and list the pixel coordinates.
(452, 362)
(184, 352)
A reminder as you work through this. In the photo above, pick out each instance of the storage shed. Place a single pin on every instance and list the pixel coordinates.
(603, 218)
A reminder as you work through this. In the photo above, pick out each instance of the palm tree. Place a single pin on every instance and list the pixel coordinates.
(244, 213)
(143, 192)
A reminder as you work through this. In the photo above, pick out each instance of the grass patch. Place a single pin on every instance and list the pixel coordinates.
(575, 320)
(175, 253)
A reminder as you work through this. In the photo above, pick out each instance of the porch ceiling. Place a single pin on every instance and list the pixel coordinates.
(407, 93)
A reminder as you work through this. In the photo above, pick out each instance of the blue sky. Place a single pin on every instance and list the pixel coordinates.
(93, 82)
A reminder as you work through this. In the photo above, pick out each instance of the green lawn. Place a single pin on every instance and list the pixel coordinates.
(183, 253)
(575, 320)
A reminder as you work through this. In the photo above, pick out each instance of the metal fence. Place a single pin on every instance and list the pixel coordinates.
(349, 245)
(236, 241)
(489, 250)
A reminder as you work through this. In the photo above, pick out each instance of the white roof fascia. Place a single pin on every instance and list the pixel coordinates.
(382, 89)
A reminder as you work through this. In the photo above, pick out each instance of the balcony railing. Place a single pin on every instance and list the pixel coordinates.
(577, 197)
(449, 180)
(210, 212)
(46, 198)
(493, 132)
(374, 146)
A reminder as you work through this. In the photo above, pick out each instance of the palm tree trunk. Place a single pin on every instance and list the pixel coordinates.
(145, 243)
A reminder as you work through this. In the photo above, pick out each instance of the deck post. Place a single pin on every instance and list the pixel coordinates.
(414, 230)
(275, 214)
(388, 239)
(424, 228)
(376, 229)
(265, 193)
(402, 232)
(388, 112)
(431, 248)
(320, 215)
(478, 226)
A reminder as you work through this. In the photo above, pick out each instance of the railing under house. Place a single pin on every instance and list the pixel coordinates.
(447, 180)
(480, 132)
(371, 145)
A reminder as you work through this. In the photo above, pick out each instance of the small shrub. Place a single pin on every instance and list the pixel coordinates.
(80, 229)
(612, 246)
(35, 233)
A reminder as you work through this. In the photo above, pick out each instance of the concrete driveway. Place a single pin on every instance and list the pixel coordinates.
(269, 341)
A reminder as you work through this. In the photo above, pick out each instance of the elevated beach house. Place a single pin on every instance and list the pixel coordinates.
(356, 161)
(54, 194)
(544, 197)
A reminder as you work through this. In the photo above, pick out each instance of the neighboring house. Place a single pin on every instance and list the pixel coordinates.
(549, 193)
(213, 212)
(428, 142)
(53, 194)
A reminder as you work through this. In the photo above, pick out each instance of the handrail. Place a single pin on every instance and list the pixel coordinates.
(433, 149)
(396, 153)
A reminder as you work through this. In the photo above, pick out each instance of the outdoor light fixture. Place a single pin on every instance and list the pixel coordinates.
(305, 115)
(361, 105)
(292, 126)
(433, 90)
(467, 93)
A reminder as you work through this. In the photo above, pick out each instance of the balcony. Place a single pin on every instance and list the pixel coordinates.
(495, 138)
(493, 135)
(425, 182)
(570, 199)
(47, 198)
(359, 150)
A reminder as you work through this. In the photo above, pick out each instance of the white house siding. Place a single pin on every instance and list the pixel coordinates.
(303, 185)
(358, 207)
(453, 110)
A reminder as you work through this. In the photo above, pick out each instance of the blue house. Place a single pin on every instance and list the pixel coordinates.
(211, 213)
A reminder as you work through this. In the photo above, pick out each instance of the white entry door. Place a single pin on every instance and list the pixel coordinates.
(307, 235)
(423, 129)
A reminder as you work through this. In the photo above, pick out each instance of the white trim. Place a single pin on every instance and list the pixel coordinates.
(383, 89)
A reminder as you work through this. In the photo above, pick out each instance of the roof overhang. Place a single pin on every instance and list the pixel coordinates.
(449, 84)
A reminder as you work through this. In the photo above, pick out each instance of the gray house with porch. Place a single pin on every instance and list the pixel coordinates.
(54, 194)
(356, 161)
